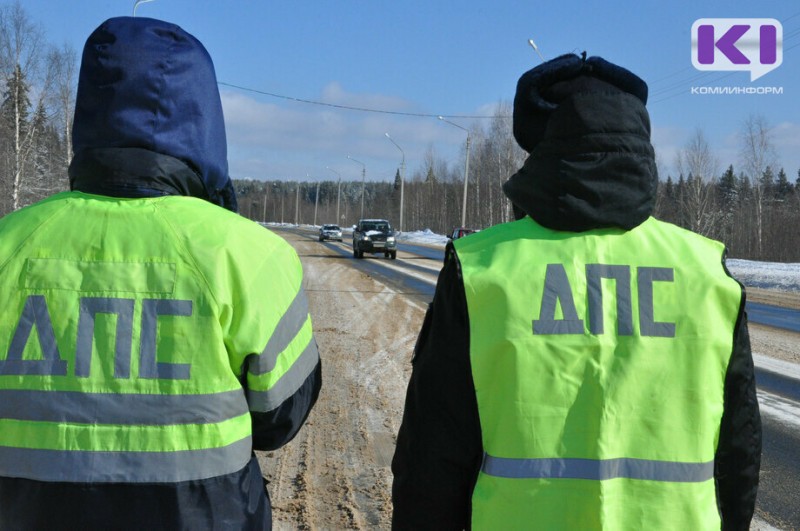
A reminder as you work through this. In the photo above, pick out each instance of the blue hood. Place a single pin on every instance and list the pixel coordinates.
(147, 86)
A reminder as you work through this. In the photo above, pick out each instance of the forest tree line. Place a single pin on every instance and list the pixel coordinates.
(751, 204)
(754, 208)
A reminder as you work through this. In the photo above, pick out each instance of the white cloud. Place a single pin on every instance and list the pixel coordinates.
(667, 141)
(286, 140)
(787, 142)
(335, 94)
(787, 135)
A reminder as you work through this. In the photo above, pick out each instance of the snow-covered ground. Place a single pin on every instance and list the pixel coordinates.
(766, 275)
(424, 237)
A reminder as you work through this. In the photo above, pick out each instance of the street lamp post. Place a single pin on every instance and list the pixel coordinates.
(316, 203)
(363, 182)
(402, 179)
(338, 192)
(297, 206)
(466, 173)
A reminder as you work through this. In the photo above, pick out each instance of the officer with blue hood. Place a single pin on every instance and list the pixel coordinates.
(586, 366)
(150, 338)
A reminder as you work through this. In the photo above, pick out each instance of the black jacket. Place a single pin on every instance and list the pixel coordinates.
(593, 169)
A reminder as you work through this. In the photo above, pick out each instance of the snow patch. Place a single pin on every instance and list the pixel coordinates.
(426, 236)
(766, 275)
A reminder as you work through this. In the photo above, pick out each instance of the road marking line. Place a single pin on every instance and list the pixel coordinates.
(428, 279)
(781, 409)
(784, 368)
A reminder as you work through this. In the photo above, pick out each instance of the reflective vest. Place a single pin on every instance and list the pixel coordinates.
(599, 361)
(137, 335)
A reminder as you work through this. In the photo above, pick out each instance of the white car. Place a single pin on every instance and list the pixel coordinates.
(330, 232)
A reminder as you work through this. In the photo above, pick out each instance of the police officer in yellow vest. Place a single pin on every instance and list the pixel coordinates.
(150, 338)
(586, 366)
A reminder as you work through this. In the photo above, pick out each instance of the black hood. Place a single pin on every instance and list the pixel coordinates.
(591, 163)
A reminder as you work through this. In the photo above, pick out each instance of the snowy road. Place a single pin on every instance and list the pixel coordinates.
(366, 313)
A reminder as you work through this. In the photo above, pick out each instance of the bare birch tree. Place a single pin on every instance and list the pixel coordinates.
(757, 153)
(510, 158)
(699, 164)
(63, 63)
(21, 43)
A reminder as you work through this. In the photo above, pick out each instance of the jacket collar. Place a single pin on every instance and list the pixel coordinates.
(133, 172)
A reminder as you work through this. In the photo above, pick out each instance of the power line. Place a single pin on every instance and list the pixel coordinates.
(680, 84)
(790, 17)
(348, 107)
(673, 74)
(682, 89)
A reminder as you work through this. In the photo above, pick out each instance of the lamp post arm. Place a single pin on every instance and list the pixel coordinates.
(338, 193)
(466, 171)
(402, 179)
(363, 181)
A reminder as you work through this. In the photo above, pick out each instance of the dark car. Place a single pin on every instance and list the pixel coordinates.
(374, 236)
(460, 232)
(330, 232)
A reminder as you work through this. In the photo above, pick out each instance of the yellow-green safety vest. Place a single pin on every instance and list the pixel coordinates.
(599, 361)
(137, 335)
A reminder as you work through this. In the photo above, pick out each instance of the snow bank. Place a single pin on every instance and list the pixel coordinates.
(767, 275)
(422, 236)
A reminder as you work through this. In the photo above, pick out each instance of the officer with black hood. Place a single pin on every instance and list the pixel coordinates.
(150, 337)
(586, 366)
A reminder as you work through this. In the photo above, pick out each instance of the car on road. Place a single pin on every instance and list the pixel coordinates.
(374, 236)
(460, 232)
(330, 232)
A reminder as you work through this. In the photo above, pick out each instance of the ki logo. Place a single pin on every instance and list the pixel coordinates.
(737, 44)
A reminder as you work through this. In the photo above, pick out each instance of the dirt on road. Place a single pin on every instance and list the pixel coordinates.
(336, 473)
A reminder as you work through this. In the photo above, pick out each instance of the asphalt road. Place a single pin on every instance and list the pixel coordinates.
(779, 490)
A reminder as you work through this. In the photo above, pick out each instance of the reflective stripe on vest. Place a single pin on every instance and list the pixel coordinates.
(123, 467)
(110, 408)
(289, 326)
(597, 469)
(290, 356)
(288, 383)
(599, 361)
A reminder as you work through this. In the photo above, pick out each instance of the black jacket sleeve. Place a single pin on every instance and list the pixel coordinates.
(275, 428)
(438, 452)
(738, 458)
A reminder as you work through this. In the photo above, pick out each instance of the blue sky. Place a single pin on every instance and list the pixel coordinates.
(457, 59)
